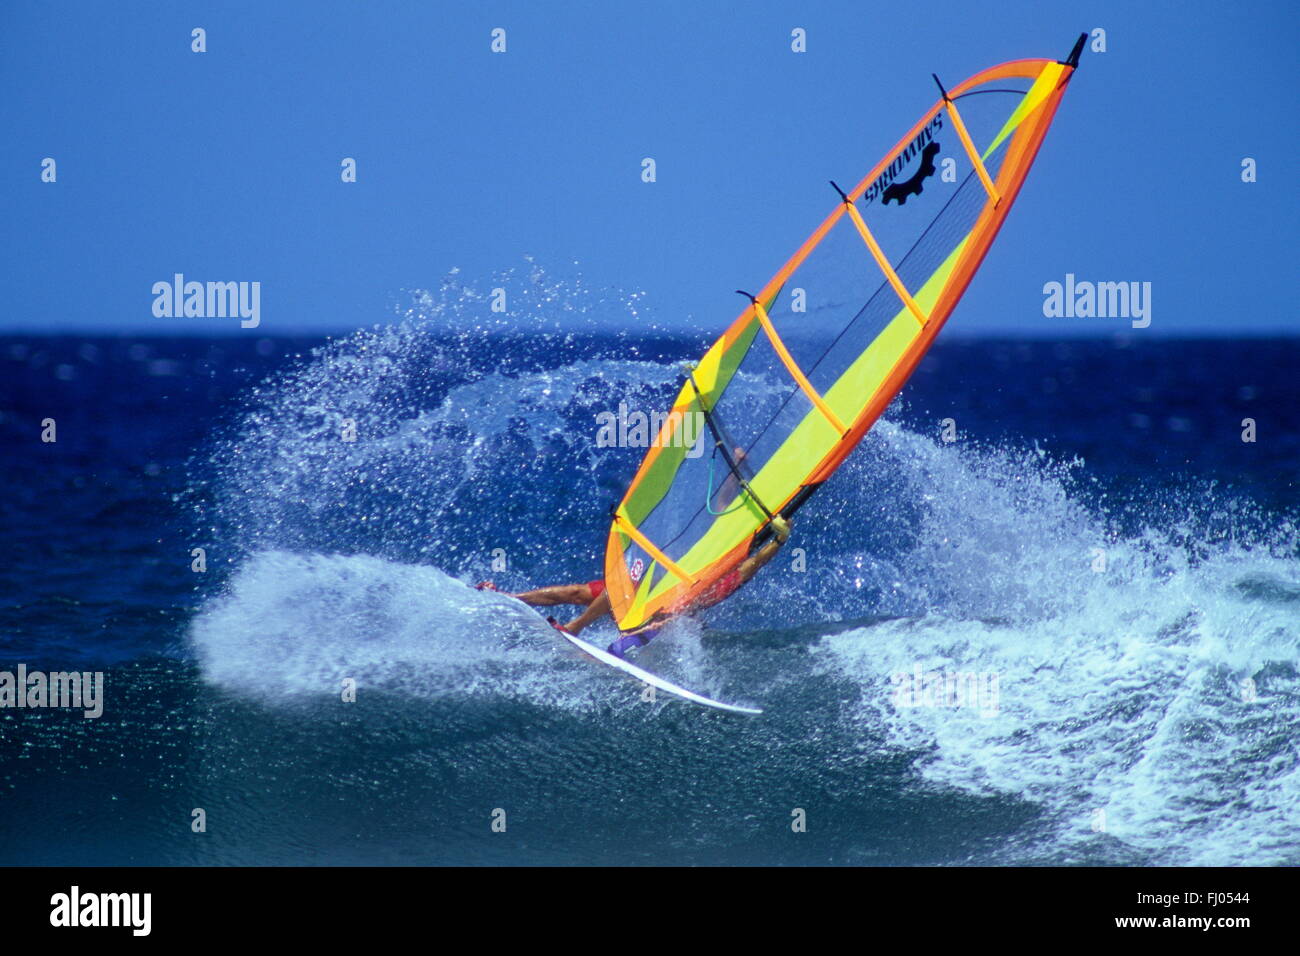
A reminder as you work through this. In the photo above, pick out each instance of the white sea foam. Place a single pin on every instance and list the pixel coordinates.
(1121, 691)
(292, 625)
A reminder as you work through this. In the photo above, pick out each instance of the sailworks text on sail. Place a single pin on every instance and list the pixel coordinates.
(789, 389)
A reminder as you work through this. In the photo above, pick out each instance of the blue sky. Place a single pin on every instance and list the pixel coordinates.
(225, 165)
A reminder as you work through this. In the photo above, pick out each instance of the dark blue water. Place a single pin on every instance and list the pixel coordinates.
(1120, 689)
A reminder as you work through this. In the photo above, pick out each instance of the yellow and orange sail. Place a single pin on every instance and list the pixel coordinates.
(793, 384)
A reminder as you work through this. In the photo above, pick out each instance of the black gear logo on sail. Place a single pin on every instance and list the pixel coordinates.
(923, 148)
(912, 187)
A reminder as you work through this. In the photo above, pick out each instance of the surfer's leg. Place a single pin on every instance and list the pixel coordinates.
(595, 610)
(556, 594)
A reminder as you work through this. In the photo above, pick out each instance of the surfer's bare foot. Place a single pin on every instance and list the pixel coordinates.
(485, 586)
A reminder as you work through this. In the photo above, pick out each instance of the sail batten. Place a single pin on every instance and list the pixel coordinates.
(795, 372)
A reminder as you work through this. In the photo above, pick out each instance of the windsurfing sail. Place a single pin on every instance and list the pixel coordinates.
(780, 400)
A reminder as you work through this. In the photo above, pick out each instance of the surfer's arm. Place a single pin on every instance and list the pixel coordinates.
(780, 532)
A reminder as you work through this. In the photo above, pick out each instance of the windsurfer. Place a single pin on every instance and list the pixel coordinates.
(595, 599)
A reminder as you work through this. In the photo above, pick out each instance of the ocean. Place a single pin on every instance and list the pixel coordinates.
(1047, 613)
